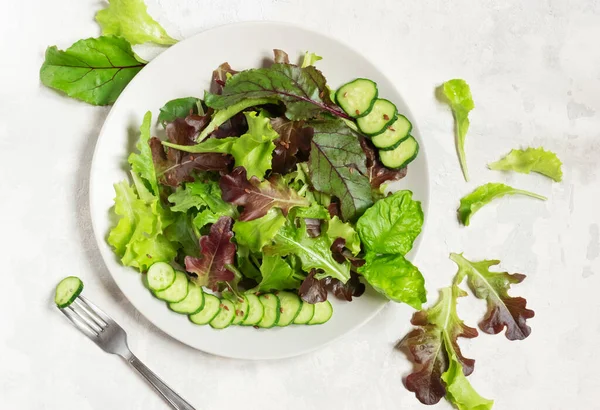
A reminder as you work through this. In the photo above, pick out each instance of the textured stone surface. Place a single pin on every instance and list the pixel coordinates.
(534, 70)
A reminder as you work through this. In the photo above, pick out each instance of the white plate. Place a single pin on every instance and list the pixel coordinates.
(185, 70)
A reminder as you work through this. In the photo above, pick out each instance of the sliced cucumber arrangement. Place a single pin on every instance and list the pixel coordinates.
(241, 310)
(305, 315)
(177, 291)
(289, 309)
(67, 291)
(271, 305)
(323, 312)
(212, 305)
(160, 276)
(225, 315)
(402, 155)
(382, 115)
(394, 134)
(357, 97)
(256, 311)
(192, 303)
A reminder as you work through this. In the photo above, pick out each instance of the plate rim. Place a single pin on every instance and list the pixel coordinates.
(100, 236)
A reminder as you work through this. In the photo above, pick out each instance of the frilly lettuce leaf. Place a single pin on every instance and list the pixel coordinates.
(531, 160)
(459, 390)
(141, 163)
(310, 59)
(338, 229)
(130, 20)
(199, 195)
(257, 233)
(461, 102)
(485, 194)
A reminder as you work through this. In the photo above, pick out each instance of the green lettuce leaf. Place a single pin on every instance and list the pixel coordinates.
(142, 163)
(485, 194)
(459, 390)
(392, 224)
(461, 102)
(199, 195)
(277, 274)
(183, 232)
(204, 218)
(337, 166)
(310, 59)
(338, 229)
(314, 253)
(302, 90)
(395, 277)
(531, 160)
(130, 19)
(257, 233)
(94, 70)
(180, 108)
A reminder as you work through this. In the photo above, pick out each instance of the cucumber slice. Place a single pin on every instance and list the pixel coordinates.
(211, 308)
(177, 291)
(357, 97)
(290, 307)
(225, 315)
(382, 115)
(323, 312)
(256, 310)
(394, 134)
(241, 310)
(193, 302)
(67, 291)
(402, 155)
(272, 310)
(306, 313)
(160, 276)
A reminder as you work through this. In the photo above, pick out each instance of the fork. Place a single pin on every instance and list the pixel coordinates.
(111, 338)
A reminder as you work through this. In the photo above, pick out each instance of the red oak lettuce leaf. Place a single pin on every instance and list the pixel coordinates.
(219, 77)
(345, 291)
(292, 146)
(313, 290)
(376, 171)
(280, 56)
(258, 197)
(431, 344)
(313, 227)
(341, 253)
(216, 252)
(503, 310)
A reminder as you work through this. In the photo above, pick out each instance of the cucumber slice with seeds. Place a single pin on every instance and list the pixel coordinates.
(225, 316)
(323, 312)
(67, 291)
(290, 307)
(241, 310)
(193, 302)
(382, 115)
(306, 313)
(256, 311)
(394, 134)
(212, 305)
(357, 97)
(272, 305)
(160, 276)
(402, 155)
(177, 291)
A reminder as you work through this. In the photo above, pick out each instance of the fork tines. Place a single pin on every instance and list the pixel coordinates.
(86, 317)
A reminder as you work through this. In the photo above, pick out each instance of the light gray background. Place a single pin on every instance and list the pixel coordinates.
(534, 70)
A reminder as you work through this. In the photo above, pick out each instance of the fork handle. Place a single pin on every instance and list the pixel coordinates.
(174, 399)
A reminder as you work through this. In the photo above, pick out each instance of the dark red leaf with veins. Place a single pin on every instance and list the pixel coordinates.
(376, 171)
(313, 290)
(258, 197)
(219, 77)
(216, 252)
(292, 146)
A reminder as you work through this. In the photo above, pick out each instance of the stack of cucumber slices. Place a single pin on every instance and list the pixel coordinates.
(264, 310)
(379, 120)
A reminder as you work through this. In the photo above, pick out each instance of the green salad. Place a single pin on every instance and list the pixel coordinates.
(267, 196)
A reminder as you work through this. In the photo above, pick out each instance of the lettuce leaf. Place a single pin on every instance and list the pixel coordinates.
(204, 218)
(395, 277)
(183, 232)
(459, 390)
(142, 163)
(292, 146)
(531, 160)
(392, 224)
(485, 194)
(310, 59)
(180, 108)
(461, 102)
(277, 274)
(338, 229)
(130, 20)
(199, 195)
(280, 56)
(503, 310)
(94, 70)
(257, 233)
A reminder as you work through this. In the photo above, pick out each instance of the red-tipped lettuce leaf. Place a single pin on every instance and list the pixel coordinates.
(292, 146)
(312, 290)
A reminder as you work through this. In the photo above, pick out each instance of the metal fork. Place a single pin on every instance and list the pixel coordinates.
(111, 338)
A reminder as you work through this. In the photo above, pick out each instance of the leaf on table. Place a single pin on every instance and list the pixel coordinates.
(180, 108)
(503, 310)
(337, 166)
(377, 173)
(458, 94)
(94, 70)
(258, 197)
(302, 90)
(292, 146)
(280, 56)
(276, 274)
(130, 20)
(531, 160)
(433, 342)
(141, 163)
(216, 251)
(257, 233)
(484, 194)
(392, 224)
(459, 390)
